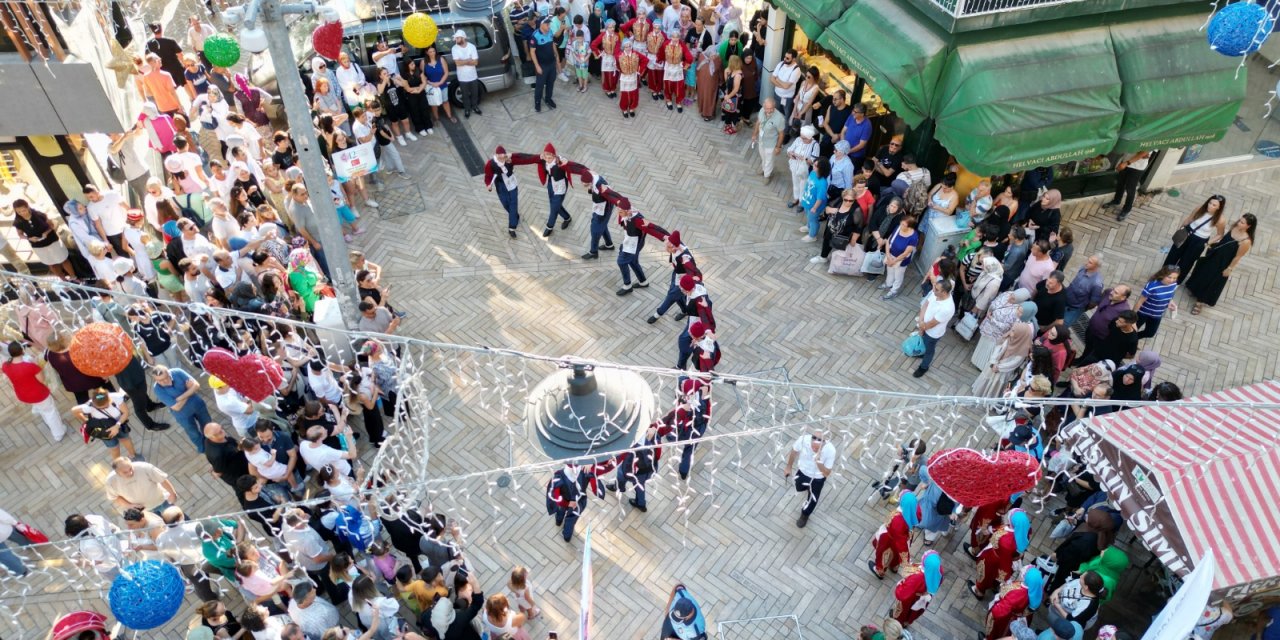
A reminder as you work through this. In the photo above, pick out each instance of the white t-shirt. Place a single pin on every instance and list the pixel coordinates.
(319, 456)
(304, 544)
(350, 79)
(670, 18)
(940, 310)
(324, 385)
(181, 543)
(264, 461)
(467, 51)
(109, 211)
(236, 406)
(807, 463)
(390, 62)
(785, 73)
(1140, 164)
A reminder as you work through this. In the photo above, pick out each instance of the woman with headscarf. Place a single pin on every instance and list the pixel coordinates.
(1096, 531)
(708, 82)
(892, 542)
(1009, 354)
(1149, 361)
(987, 285)
(304, 277)
(253, 104)
(1110, 565)
(1005, 310)
(801, 154)
(210, 112)
(995, 562)
(914, 592)
(1015, 600)
(1044, 217)
(937, 510)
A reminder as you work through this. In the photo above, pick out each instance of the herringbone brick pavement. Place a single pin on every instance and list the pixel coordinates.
(729, 533)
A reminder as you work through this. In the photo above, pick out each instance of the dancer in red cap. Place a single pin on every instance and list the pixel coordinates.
(631, 64)
(682, 262)
(551, 172)
(692, 416)
(697, 308)
(601, 211)
(607, 47)
(676, 60)
(636, 228)
(500, 171)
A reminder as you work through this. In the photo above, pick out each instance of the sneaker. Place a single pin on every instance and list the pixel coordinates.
(883, 286)
(565, 224)
(411, 137)
(624, 291)
(550, 103)
(425, 132)
(158, 426)
(817, 259)
(653, 317)
(802, 520)
(546, 233)
(372, 203)
(1122, 216)
(808, 239)
(804, 229)
(891, 295)
(400, 139)
(347, 237)
(430, 131)
(359, 232)
(590, 256)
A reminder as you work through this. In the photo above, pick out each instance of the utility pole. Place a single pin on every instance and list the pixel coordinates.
(298, 111)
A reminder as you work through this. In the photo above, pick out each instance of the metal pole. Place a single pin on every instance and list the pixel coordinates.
(298, 113)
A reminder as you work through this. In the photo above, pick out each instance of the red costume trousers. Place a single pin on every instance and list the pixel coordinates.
(674, 90)
(610, 81)
(655, 80)
(629, 100)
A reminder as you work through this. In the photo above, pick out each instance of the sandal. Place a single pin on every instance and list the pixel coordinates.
(1195, 311)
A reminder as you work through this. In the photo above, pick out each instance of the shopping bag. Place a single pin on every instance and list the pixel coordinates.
(967, 326)
(873, 263)
(847, 262)
(913, 346)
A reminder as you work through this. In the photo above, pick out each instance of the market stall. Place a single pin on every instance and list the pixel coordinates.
(1190, 479)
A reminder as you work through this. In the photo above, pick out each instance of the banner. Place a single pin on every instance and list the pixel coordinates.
(588, 588)
(355, 161)
(1183, 611)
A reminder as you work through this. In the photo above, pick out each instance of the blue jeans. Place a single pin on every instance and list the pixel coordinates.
(628, 262)
(193, 416)
(511, 202)
(544, 85)
(557, 209)
(685, 344)
(640, 479)
(11, 561)
(813, 222)
(674, 295)
(929, 344)
(600, 231)
(1071, 315)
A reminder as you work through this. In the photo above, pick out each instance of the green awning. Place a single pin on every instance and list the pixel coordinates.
(899, 52)
(813, 16)
(1176, 90)
(1020, 102)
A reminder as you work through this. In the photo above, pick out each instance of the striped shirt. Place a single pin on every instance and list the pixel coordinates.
(1157, 298)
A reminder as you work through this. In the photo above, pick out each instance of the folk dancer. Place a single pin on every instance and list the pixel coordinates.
(681, 260)
(1020, 597)
(995, 561)
(892, 542)
(636, 228)
(692, 416)
(567, 493)
(631, 66)
(706, 349)
(601, 214)
(697, 309)
(607, 47)
(676, 59)
(551, 172)
(654, 45)
(639, 466)
(916, 590)
(985, 519)
(499, 171)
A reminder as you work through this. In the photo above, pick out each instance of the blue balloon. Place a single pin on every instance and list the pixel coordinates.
(146, 595)
(1239, 29)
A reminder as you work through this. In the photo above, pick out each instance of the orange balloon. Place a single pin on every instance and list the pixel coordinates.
(101, 349)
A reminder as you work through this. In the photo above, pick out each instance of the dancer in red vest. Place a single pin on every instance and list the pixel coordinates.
(676, 58)
(654, 45)
(631, 64)
(985, 519)
(607, 47)
(892, 542)
(995, 562)
(1020, 597)
(915, 591)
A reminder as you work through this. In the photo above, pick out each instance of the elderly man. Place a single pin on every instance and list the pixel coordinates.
(1085, 290)
(313, 614)
(180, 543)
(139, 485)
(465, 59)
(226, 462)
(767, 136)
(177, 390)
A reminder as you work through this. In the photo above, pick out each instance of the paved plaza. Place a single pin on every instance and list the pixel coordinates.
(729, 533)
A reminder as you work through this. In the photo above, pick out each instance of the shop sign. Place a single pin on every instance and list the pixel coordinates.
(1052, 159)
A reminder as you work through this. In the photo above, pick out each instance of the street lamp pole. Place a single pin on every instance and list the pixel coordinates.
(271, 16)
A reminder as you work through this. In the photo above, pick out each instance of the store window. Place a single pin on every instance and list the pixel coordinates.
(1253, 133)
(835, 75)
(18, 181)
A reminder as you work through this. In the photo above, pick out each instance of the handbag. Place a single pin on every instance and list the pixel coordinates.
(873, 263)
(847, 262)
(962, 219)
(1181, 235)
(114, 171)
(913, 346)
(32, 534)
(967, 326)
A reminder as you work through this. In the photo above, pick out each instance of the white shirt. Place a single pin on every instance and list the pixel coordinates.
(324, 385)
(110, 211)
(181, 544)
(315, 619)
(670, 18)
(807, 461)
(390, 62)
(265, 463)
(319, 456)
(350, 79)
(242, 413)
(940, 310)
(6, 524)
(1140, 164)
(304, 544)
(466, 51)
(100, 544)
(786, 73)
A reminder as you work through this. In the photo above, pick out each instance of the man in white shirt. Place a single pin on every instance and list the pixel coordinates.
(241, 410)
(307, 548)
(935, 313)
(318, 455)
(323, 384)
(109, 209)
(784, 79)
(911, 173)
(313, 614)
(670, 17)
(181, 545)
(465, 59)
(350, 78)
(99, 543)
(386, 58)
(139, 485)
(814, 457)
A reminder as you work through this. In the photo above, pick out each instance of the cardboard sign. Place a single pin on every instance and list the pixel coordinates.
(355, 161)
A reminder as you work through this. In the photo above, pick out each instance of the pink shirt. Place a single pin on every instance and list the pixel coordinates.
(1035, 272)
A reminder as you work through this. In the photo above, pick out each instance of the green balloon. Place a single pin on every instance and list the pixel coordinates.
(222, 50)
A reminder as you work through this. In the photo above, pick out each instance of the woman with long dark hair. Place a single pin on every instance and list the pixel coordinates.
(1214, 268)
(1155, 299)
(415, 97)
(1207, 221)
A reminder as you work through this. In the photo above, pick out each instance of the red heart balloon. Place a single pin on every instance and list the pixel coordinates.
(327, 40)
(254, 375)
(973, 478)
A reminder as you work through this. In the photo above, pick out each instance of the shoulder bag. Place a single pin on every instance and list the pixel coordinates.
(1180, 236)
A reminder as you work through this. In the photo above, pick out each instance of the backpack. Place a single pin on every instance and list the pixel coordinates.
(357, 530)
(916, 197)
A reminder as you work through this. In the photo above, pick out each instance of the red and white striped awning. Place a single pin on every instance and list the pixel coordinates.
(1216, 470)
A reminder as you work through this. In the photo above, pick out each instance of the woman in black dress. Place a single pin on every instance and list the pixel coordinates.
(415, 97)
(844, 218)
(1206, 222)
(1214, 268)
